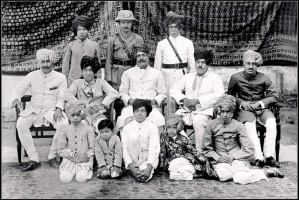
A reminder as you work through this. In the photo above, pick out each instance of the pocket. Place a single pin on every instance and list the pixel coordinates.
(116, 47)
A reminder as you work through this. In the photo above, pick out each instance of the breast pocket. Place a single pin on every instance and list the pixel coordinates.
(53, 90)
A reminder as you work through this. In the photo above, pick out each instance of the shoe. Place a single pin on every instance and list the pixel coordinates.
(53, 163)
(104, 175)
(31, 166)
(273, 172)
(259, 163)
(271, 162)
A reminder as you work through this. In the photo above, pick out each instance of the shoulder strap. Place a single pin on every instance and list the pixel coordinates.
(176, 53)
(124, 46)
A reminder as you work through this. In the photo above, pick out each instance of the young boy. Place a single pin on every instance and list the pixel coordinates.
(228, 146)
(108, 151)
(178, 153)
(76, 145)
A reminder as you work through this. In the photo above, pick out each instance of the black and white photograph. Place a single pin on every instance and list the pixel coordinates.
(149, 99)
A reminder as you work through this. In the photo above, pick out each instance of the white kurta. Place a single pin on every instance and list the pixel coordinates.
(140, 143)
(142, 84)
(166, 55)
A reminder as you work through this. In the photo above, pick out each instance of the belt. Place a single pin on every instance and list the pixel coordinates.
(126, 62)
(175, 66)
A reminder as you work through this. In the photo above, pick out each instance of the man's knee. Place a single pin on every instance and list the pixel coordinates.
(271, 122)
(65, 177)
(22, 124)
(224, 174)
(82, 176)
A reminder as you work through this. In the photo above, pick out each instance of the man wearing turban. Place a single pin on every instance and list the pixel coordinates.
(196, 93)
(46, 105)
(229, 148)
(255, 92)
(75, 50)
(120, 47)
(142, 82)
(166, 59)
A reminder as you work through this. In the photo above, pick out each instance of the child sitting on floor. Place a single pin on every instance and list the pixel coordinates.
(108, 151)
(177, 153)
(76, 145)
(228, 146)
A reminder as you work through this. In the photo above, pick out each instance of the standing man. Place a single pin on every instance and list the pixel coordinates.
(46, 106)
(75, 50)
(254, 92)
(142, 82)
(119, 49)
(202, 89)
(173, 56)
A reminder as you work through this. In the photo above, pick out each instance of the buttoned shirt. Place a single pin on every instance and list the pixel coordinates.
(140, 143)
(252, 89)
(108, 152)
(72, 55)
(116, 51)
(166, 55)
(47, 91)
(224, 139)
(149, 84)
(103, 93)
(76, 139)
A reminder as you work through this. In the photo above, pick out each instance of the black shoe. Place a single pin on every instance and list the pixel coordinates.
(259, 163)
(274, 172)
(31, 166)
(53, 163)
(271, 162)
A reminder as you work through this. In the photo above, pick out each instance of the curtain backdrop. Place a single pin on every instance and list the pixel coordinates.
(228, 27)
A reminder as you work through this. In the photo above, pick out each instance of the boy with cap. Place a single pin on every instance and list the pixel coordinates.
(254, 92)
(228, 146)
(177, 153)
(202, 89)
(46, 106)
(174, 66)
(119, 49)
(76, 145)
(75, 50)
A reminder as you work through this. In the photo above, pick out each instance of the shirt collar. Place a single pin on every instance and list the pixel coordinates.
(46, 75)
(175, 38)
(91, 83)
(250, 77)
(125, 36)
(204, 75)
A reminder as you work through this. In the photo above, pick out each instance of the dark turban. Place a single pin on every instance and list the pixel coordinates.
(83, 21)
(140, 48)
(172, 18)
(204, 54)
(138, 103)
(226, 101)
(93, 62)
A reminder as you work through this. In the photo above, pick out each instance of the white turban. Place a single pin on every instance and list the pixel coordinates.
(255, 55)
(44, 54)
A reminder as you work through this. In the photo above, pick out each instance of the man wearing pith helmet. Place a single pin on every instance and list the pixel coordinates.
(119, 48)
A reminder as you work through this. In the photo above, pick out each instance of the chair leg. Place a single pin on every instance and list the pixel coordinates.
(277, 142)
(25, 153)
(19, 148)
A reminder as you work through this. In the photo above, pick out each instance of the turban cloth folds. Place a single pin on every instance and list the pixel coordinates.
(140, 48)
(253, 54)
(44, 54)
(75, 107)
(172, 18)
(173, 119)
(225, 101)
(83, 21)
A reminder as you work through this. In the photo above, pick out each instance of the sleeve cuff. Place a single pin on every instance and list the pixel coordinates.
(262, 104)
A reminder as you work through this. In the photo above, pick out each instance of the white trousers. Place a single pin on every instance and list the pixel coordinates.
(269, 144)
(181, 169)
(239, 172)
(82, 176)
(23, 125)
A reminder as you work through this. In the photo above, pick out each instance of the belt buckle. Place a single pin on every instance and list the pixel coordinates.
(125, 63)
(177, 66)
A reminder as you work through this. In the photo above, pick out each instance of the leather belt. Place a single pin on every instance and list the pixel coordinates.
(175, 66)
(125, 62)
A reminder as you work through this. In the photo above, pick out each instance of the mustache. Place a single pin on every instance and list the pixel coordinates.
(141, 60)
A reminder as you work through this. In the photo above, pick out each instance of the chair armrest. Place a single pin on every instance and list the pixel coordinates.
(163, 104)
(277, 104)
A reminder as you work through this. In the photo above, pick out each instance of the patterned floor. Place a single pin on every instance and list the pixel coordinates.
(44, 183)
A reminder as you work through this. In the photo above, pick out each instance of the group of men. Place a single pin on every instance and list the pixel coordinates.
(180, 77)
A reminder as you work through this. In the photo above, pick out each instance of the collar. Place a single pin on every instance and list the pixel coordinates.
(250, 77)
(84, 42)
(136, 66)
(88, 84)
(46, 75)
(77, 126)
(204, 75)
(175, 38)
(124, 35)
(142, 123)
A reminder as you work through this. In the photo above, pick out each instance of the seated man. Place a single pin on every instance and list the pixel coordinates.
(228, 146)
(177, 154)
(140, 143)
(142, 82)
(46, 106)
(254, 92)
(202, 89)
(97, 94)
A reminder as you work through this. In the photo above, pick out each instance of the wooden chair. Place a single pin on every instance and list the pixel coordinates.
(39, 131)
